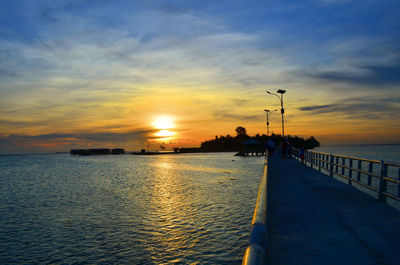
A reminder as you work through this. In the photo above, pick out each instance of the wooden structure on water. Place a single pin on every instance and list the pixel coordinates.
(252, 148)
(97, 151)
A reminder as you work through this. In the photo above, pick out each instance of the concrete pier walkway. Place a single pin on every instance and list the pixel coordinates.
(315, 219)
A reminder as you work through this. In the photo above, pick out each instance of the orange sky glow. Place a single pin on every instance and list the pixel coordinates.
(100, 75)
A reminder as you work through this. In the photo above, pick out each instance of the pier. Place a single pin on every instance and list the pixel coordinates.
(313, 218)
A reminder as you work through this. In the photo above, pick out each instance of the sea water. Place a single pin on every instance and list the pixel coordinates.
(164, 209)
(385, 152)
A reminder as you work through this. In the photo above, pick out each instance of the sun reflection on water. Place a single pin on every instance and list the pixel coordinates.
(176, 220)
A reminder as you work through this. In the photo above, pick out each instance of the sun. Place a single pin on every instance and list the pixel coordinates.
(163, 122)
(165, 133)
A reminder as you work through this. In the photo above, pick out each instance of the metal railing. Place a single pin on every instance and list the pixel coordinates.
(256, 251)
(379, 177)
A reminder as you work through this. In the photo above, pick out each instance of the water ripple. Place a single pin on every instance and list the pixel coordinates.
(190, 209)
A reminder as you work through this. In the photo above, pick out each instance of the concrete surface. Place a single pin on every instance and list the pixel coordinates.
(314, 219)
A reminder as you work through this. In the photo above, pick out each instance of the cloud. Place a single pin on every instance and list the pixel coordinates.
(100, 137)
(360, 108)
(7, 73)
(173, 8)
(317, 107)
(368, 75)
(334, 1)
(227, 115)
(241, 101)
(76, 64)
(65, 141)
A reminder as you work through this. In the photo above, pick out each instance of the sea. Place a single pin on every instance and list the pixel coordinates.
(385, 152)
(127, 209)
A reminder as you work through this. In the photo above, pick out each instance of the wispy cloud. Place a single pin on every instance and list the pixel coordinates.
(317, 107)
(360, 108)
(228, 115)
(101, 66)
(63, 142)
(367, 76)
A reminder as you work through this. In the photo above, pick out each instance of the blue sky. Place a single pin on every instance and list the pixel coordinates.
(73, 70)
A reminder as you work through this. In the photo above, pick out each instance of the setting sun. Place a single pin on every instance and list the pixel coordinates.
(165, 133)
(163, 123)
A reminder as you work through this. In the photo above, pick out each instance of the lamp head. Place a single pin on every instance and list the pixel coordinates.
(269, 92)
(280, 91)
(267, 110)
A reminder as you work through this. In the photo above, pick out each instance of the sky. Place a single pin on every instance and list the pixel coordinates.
(79, 74)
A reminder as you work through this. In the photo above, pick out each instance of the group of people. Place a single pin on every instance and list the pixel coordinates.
(286, 149)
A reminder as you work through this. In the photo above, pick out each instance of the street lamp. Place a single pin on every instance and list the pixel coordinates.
(268, 111)
(280, 91)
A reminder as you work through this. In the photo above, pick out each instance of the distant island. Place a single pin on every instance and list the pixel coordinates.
(221, 143)
(230, 143)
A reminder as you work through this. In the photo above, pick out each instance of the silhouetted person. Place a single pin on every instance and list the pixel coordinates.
(301, 154)
(270, 147)
(284, 148)
(289, 149)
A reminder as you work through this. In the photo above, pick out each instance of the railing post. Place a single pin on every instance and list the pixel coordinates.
(327, 162)
(337, 163)
(315, 160)
(319, 162)
(382, 182)
(358, 172)
(370, 169)
(398, 185)
(331, 165)
(343, 164)
(350, 170)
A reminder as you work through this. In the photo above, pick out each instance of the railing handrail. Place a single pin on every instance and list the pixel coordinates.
(331, 164)
(389, 163)
(392, 164)
(255, 253)
(351, 157)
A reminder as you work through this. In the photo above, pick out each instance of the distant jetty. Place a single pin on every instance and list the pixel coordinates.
(97, 151)
(121, 151)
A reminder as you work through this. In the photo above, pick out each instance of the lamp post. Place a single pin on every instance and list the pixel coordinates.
(280, 91)
(268, 111)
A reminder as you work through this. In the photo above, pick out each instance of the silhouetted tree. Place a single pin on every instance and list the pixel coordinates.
(241, 131)
(311, 143)
(229, 144)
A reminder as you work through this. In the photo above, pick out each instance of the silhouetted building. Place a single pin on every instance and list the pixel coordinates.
(87, 152)
(117, 151)
(252, 147)
(190, 150)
